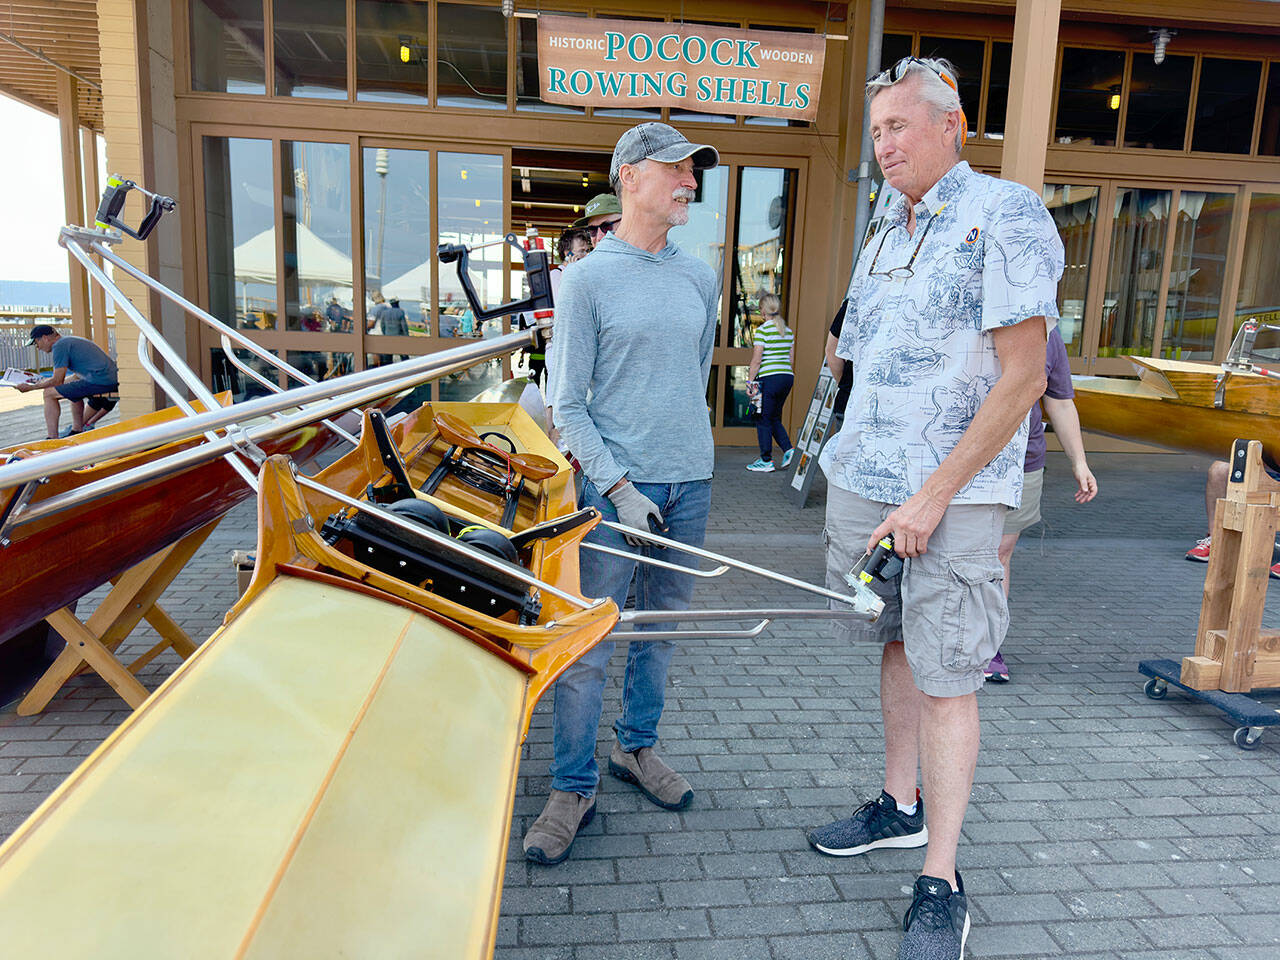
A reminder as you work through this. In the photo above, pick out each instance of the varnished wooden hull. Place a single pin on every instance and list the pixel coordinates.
(1172, 405)
(49, 563)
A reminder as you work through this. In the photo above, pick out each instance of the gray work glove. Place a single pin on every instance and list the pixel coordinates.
(635, 510)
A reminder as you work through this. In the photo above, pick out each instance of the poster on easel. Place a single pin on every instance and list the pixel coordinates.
(821, 421)
(809, 442)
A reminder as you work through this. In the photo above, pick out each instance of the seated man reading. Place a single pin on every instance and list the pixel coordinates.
(95, 374)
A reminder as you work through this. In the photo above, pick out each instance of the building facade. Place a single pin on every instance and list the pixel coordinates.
(320, 149)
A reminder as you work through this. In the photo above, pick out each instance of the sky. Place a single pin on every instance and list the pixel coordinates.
(31, 171)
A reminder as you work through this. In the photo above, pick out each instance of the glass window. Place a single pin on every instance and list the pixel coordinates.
(703, 235)
(397, 238)
(226, 376)
(1074, 209)
(778, 121)
(1090, 85)
(998, 90)
(1138, 231)
(712, 395)
(766, 207)
(1197, 274)
(469, 191)
(471, 51)
(240, 237)
(321, 364)
(316, 199)
(1225, 103)
(528, 81)
(1159, 97)
(310, 48)
(391, 51)
(966, 56)
(1269, 137)
(737, 405)
(1260, 272)
(227, 46)
(893, 47)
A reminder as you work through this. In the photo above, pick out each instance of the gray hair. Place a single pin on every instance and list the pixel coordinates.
(933, 89)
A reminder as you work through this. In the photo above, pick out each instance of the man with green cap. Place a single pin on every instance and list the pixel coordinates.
(603, 212)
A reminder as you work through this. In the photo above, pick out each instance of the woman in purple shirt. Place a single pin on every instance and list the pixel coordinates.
(1061, 411)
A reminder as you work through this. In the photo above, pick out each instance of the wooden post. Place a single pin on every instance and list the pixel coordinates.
(1026, 129)
(73, 196)
(93, 193)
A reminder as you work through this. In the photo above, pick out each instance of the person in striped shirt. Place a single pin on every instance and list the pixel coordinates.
(769, 380)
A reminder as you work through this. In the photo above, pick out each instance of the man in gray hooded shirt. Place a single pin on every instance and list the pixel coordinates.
(635, 328)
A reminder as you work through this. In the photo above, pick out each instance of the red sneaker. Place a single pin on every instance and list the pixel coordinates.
(1200, 552)
(1275, 571)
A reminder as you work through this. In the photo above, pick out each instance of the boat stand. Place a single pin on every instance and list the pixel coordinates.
(1233, 655)
(91, 644)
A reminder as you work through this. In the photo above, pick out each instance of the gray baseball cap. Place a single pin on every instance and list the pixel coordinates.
(661, 142)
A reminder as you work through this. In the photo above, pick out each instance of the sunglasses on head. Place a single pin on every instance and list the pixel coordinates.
(901, 68)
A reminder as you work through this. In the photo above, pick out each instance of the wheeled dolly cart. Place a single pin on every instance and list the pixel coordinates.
(1251, 715)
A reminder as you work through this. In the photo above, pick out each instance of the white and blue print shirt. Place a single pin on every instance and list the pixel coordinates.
(923, 360)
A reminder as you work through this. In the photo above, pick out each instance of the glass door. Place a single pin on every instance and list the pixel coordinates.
(761, 240)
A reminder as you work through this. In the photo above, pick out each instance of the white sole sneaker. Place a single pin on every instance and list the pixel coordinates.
(888, 843)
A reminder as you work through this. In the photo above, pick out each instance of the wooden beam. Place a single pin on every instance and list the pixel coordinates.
(1202, 673)
(1026, 131)
(93, 191)
(73, 196)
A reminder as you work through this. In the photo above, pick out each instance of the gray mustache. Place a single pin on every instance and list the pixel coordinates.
(683, 193)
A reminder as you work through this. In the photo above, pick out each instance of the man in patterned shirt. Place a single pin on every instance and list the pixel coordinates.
(945, 330)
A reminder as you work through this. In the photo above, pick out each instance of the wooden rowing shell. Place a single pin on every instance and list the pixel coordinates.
(330, 775)
(1172, 405)
(52, 562)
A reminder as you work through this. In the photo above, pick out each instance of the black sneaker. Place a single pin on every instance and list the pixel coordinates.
(875, 824)
(937, 922)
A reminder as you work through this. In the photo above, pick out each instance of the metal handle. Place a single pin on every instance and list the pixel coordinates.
(654, 562)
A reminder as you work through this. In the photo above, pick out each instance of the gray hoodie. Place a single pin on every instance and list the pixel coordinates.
(633, 338)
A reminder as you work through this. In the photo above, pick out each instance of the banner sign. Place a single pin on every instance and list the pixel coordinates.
(627, 63)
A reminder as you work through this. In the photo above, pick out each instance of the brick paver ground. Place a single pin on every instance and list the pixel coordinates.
(1103, 824)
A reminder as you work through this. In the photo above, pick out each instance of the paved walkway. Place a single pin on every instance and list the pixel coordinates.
(1103, 824)
(22, 416)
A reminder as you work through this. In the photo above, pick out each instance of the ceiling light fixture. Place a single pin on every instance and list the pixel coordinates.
(1160, 40)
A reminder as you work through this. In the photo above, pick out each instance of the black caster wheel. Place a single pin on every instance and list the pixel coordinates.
(1247, 738)
(1156, 688)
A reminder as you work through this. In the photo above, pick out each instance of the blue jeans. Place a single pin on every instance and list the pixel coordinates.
(580, 690)
(773, 394)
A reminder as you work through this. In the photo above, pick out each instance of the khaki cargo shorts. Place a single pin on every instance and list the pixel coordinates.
(948, 606)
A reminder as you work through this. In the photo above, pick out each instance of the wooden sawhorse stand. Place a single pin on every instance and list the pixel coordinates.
(1232, 652)
(133, 597)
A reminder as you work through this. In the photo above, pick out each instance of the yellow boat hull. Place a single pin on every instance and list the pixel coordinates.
(1172, 405)
(330, 775)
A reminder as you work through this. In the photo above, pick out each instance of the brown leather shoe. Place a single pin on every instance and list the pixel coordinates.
(552, 834)
(654, 778)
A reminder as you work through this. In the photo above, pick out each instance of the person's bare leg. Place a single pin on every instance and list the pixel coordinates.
(77, 415)
(52, 411)
(1215, 488)
(1007, 542)
(949, 734)
(900, 703)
